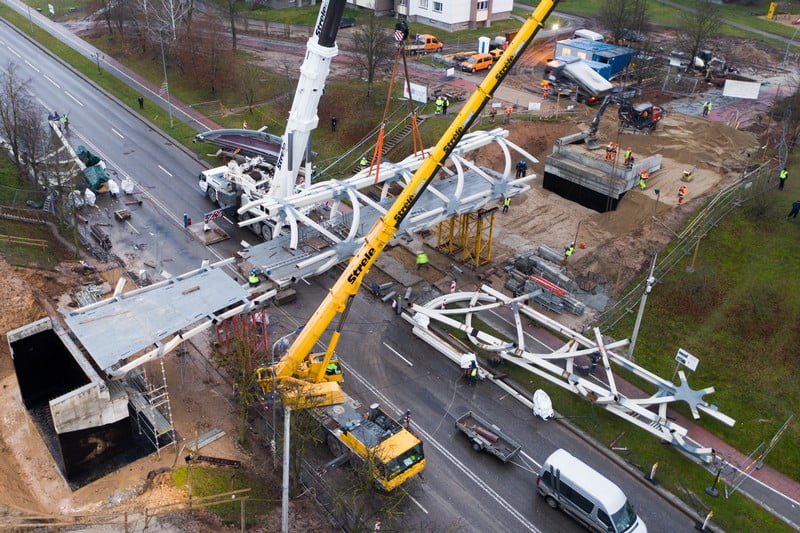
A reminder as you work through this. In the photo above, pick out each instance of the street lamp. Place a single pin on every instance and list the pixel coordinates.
(97, 57)
(166, 82)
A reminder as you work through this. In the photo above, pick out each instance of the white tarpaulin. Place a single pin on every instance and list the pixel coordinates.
(419, 93)
(741, 89)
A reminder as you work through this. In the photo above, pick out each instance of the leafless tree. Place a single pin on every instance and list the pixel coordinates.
(356, 498)
(240, 361)
(16, 103)
(232, 8)
(698, 27)
(205, 55)
(250, 78)
(373, 42)
(35, 142)
(621, 15)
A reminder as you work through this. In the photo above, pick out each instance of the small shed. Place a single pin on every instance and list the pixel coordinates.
(617, 57)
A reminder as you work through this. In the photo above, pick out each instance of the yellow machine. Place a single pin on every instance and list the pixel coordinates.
(310, 380)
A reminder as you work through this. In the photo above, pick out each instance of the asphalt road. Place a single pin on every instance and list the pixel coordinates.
(383, 361)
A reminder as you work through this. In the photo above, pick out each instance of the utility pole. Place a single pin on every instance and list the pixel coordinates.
(287, 425)
(648, 287)
(166, 82)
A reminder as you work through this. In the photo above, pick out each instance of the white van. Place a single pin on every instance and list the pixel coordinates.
(588, 34)
(581, 491)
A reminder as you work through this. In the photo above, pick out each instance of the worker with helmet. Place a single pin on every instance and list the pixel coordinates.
(522, 168)
(253, 278)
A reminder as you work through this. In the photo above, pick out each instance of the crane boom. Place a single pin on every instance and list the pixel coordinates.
(320, 51)
(305, 373)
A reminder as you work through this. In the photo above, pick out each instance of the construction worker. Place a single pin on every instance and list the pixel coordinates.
(545, 89)
(333, 369)
(472, 373)
(253, 278)
(522, 168)
(509, 109)
(364, 163)
(681, 194)
(492, 113)
(643, 177)
(333, 123)
(610, 151)
(506, 204)
(445, 104)
(439, 105)
(422, 260)
(65, 122)
(782, 179)
(706, 108)
(628, 158)
(568, 251)
(795, 209)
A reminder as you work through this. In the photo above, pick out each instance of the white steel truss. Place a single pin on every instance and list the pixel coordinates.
(458, 310)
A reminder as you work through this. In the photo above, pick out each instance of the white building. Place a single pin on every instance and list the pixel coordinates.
(453, 15)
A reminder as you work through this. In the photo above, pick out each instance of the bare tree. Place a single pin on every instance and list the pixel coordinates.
(244, 353)
(250, 79)
(359, 503)
(205, 56)
(621, 15)
(35, 142)
(372, 40)
(15, 105)
(698, 27)
(232, 8)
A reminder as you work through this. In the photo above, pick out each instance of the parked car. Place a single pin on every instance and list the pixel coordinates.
(347, 22)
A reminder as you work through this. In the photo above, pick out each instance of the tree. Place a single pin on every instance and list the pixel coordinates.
(204, 55)
(621, 15)
(232, 12)
(243, 355)
(16, 103)
(359, 503)
(250, 79)
(35, 142)
(372, 40)
(698, 27)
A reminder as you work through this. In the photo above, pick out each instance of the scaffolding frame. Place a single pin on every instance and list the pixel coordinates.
(154, 417)
(468, 237)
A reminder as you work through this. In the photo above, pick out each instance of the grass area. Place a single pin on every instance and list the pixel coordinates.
(208, 481)
(28, 255)
(737, 313)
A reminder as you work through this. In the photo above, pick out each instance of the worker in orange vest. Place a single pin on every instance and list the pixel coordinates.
(681, 195)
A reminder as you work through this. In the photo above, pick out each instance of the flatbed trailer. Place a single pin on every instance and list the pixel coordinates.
(486, 436)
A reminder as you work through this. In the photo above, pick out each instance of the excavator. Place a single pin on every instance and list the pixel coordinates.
(643, 116)
(305, 379)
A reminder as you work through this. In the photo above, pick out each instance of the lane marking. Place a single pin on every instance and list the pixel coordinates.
(128, 222)
(165, 171)
(409, 363)
(14, 52)
(118, 133)
(527, 524)
(413, 499)
(45, 76)
(76, 100)
(531, 459)
(32, 66)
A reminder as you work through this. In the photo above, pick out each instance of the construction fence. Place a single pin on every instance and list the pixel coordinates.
(687, 242)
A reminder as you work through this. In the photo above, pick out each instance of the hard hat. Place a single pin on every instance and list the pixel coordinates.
(254, 271)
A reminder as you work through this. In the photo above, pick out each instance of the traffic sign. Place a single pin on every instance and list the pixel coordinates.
(686, 359)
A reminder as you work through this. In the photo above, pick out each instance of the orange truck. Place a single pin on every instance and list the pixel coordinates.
(425, 43)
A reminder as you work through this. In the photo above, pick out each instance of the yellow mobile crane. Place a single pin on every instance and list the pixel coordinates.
(310, 380)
